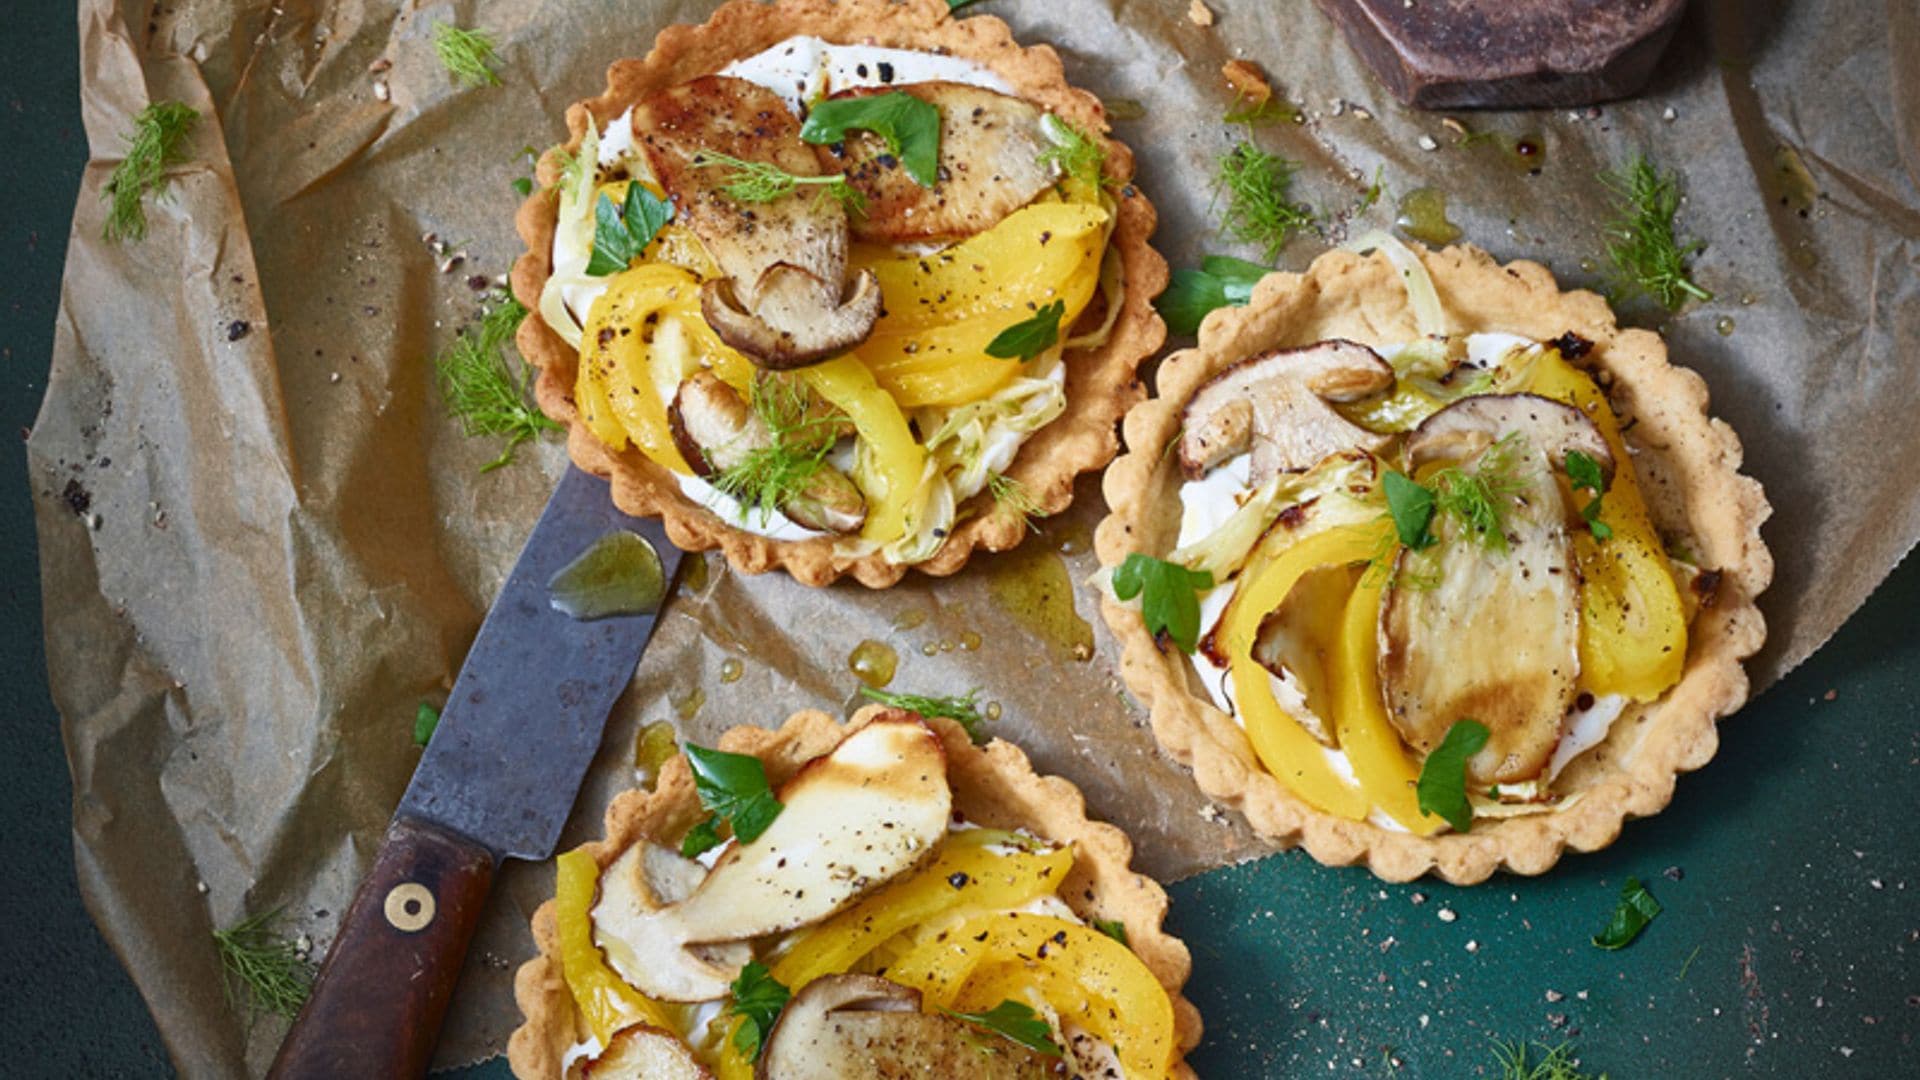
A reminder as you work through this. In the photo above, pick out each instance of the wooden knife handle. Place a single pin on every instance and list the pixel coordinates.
(382, 993)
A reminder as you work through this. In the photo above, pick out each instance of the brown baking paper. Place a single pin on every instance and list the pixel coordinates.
(264, 542)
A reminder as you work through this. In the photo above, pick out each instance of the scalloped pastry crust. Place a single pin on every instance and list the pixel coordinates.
(1688, 465)
(1102, 383)
(993, 786)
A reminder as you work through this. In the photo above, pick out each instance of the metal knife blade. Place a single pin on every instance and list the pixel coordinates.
(530, 703)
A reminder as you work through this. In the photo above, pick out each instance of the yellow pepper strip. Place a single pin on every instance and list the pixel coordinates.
(1633, 630)
(942, 310)
(605, 1001)
(1087, 977)
(1284, 747)
(615, 380)
(985, 878)
(897, 460)
(1380, 761)
(1016, 980)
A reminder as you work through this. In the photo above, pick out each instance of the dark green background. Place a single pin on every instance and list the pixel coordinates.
(1787, 948)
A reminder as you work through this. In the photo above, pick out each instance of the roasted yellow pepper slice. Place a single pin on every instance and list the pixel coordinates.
(1633, 628)
(943, 309)
(1380, 761)
(1089, 979)
(986, 878)
(896, 461)
(604, 999)
(615, 389)
(1284, 747)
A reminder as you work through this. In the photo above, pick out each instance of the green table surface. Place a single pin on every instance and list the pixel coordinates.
(1789, 868)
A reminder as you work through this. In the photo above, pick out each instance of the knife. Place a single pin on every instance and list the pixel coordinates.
(497, 781)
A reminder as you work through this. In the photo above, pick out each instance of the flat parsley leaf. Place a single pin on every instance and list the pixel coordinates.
(1170, 602)
(425, 719)
(1029, 338)
(734, 786)
(1221, 281)
(757, 1000)
(910, 127)
(1443, 778)
(1411, 507)
(620, 236)
(1017, 1022)
(1636, 909)
(1113, 928)
(702, 838)
(960, 708)
(1584, 472)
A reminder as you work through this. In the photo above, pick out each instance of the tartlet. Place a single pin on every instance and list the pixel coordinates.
(973, 505)
(1521, 376)
(998, 809)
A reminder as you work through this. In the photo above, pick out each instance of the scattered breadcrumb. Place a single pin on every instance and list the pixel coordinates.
(1200, 14)
(1247, 80)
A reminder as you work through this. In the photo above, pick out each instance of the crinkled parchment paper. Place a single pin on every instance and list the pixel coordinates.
(264, 542)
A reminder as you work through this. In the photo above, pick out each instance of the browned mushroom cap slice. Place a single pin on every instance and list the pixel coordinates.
(1276, 404)
(1470, 425)
(862, 1027)
(783, 297)
(1490, 631)
(717, 431)
(641, 1052)
(1295, 644)
(867, 812)
(992, 162)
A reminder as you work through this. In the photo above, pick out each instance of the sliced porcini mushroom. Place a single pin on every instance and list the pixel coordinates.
(783, 297)
(863, 814)
(1296, 643)
(646, 879)
(1471, 425)
(1276, 405)
(641, 1052)
(992, 162)
(862, 1027)
(1488, 631)
(715, 431)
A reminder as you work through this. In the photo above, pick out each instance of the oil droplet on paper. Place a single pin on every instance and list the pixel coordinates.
(992, 711)
(1423, 216)
(929, 649)
(1031, 585)
(1072, 538)
(686, 707)
(651, 750)
(731, 669)
(1724, 326)
(694, 575)
(910, 619)
(873, 663)
(619, 575)
(970, 640)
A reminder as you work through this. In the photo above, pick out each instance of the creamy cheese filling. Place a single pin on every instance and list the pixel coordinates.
(801, 70)
(1206, 504)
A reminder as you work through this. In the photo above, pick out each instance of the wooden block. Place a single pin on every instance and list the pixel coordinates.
(1480, 54)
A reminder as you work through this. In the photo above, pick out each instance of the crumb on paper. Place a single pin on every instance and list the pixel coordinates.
(1247, 80)
(1199, 13)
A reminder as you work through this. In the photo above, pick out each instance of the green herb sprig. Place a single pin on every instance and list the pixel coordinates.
(768, 477)
(1584, 473)
(757, 1000)
(909, 126)
(1169, 600)
(1557, 1063)
(481, 390)
(1647, 254)
(468, 55)
(760, 181)
(1029, 337)
(1221, 281)
(426, 720)
(734, 788)
(1636, 909)
(1257, 185)
(621, 236)
(158, 139)
(266, 967)
(1013, 497)
(1477, 498)
(1442, 790)
(1015, 1021)
(1078, 155)
(961, 708)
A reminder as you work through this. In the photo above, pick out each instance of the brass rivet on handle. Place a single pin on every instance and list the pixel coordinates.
(409, 907)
